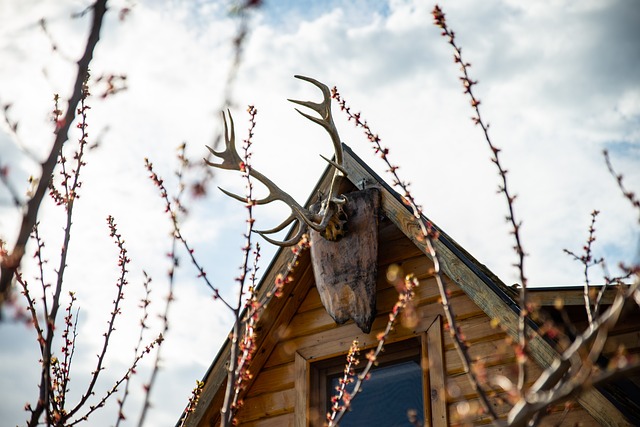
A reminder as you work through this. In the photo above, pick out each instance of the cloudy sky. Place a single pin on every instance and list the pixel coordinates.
(558, 83)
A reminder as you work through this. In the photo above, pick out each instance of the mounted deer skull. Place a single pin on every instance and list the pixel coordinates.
(329, 218)
(345, 271)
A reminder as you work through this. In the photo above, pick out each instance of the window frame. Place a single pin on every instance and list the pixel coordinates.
(429, 345)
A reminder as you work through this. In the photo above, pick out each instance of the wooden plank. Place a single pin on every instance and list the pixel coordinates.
(309, 322)
(311, 302)
(459, 272)
(274, 379)
(575, 417)
(437, 375)
(426, 383)
(469, 412)
(302, 387)
(549, 296)
(427, 291)
(314, 318)
(397, 247)
(490, 353)
(277, 421)
(336, 340)
(464, 390)
(421, 267)
(630, 341)
(475, 329)
(339, 338)
(267, 405)
(427, 294)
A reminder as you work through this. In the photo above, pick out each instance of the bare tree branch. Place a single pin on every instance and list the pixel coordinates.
(468, 83)
(553, 386)
(430, 234)
(11, 262)
(588, 261)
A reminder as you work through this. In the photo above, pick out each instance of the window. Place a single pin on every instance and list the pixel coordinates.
(408, 371)
(394, 388)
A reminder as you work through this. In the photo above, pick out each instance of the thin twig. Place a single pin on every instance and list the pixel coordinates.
(405, 297)
(123, 261)
(156, 363)
(238, 42)
(157, 341)
(193, 402)
(348, 375)
(588, 261)
(69, 336)
(52, 42)
(608, 282)
(236, 363)
(144, 305)
(13, 128)
(247, 345)
(177, 233)
(176, 237)
(468, 83)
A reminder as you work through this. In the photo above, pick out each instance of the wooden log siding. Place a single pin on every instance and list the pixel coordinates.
(281, 389)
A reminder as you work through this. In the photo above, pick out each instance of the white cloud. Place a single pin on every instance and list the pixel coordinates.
(552, 103)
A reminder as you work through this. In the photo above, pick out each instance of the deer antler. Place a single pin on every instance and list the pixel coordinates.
(328, 220)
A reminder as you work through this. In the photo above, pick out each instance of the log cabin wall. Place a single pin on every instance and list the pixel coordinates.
(271, 399)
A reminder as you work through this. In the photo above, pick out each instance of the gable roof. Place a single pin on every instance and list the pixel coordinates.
(487, 291)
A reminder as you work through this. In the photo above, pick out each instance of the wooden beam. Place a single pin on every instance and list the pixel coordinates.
(437, 374)
(426, 383)
(574, 296)
(302, 378)
(458, 267)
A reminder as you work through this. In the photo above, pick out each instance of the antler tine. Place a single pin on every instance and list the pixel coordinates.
(324, 110)
(271, 197)
(290, 242)
(311, 105)
(324, 219)
(299, 225)
(279, 227)
(230, 158)
(233, 195)
(335, 165)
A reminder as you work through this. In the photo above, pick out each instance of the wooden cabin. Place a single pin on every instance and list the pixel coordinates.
(301, 349)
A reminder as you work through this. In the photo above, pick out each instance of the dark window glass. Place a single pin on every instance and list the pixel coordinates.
(386, 396)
